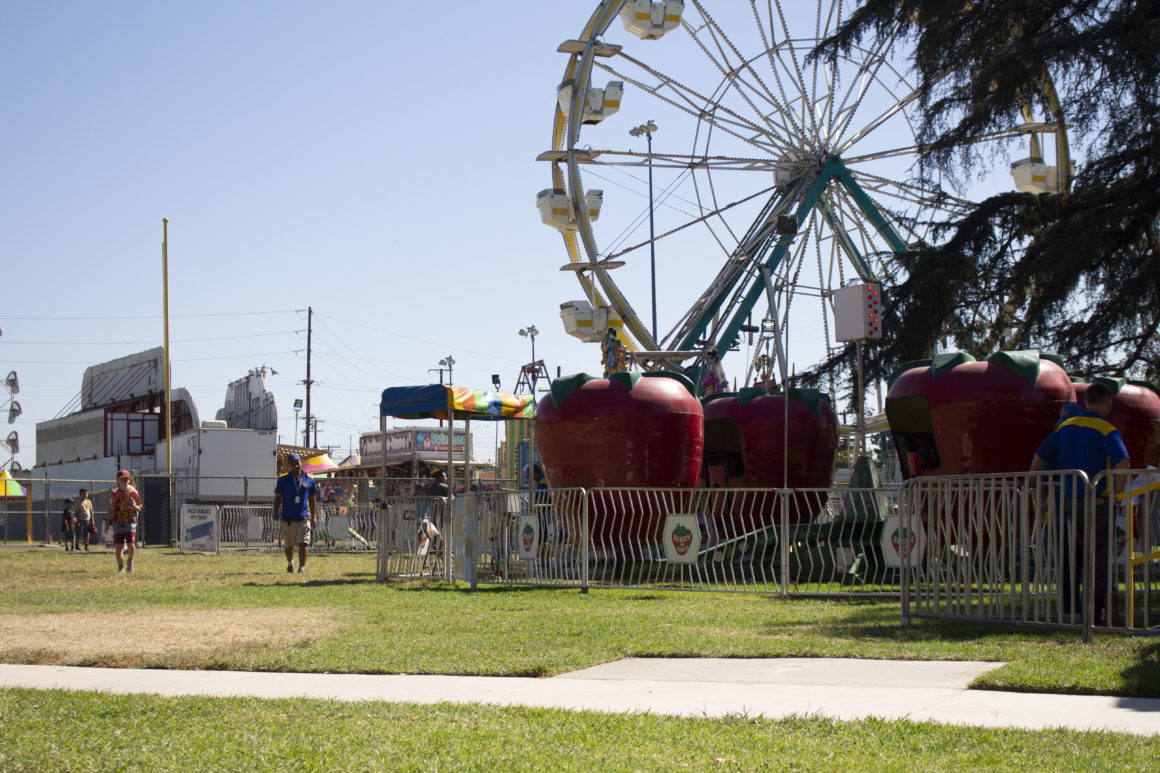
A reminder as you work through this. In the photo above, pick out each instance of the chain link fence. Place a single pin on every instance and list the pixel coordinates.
(37, 517)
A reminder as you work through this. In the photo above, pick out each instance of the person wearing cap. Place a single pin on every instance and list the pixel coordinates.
(82, 510)
(124, 509)
(1086, 441)
(295, 498)
(66, 523)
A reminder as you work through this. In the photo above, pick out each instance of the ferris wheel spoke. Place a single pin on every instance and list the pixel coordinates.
(820, 30)
(627, 158)
(683, 226)
(910, 194)
(776, 65)
(692, 103)
(870, 63)
(799, 79)
(733, 73)
(910, 151)
(850, 109)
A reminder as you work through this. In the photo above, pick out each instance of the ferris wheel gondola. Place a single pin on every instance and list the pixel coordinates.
(781, 177)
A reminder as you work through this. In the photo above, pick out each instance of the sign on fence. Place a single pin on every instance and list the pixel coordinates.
(199, 528)
(894, 532)
(682, 539)
(528, 538)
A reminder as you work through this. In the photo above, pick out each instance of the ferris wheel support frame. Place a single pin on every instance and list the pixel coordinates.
(832, 171)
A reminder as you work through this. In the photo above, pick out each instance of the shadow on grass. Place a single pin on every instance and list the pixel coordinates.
(1145, 671)
(277, 581)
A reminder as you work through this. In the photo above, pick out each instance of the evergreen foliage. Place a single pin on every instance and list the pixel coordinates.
(1076, 273)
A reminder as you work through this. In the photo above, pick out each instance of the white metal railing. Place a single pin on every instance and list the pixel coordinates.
(1043, 548)
(831, 540)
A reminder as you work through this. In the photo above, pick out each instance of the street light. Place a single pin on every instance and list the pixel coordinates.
(532, 371)
(531, 332)
(297, 408)
(647, 130)
(448, 362)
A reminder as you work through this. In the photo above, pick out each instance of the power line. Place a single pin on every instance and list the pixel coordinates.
(156, 316)
(147, 341)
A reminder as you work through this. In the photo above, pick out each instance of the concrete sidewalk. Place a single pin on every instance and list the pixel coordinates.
(695, 687)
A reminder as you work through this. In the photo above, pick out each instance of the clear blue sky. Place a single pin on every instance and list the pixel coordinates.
(375, 161)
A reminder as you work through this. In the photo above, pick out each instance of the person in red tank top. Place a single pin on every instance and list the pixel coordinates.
(124, 509)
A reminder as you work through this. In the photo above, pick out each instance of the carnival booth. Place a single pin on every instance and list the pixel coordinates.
(437, 401)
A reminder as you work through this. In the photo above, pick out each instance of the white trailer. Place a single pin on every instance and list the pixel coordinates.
(216, 462)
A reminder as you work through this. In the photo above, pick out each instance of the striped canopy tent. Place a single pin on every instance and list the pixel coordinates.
(317, 464)
(8, 486)
(437, 401)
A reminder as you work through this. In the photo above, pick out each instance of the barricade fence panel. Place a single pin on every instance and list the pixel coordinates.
(344, 511)
(1044, 548)
(523, 537)
(414, 537)
(1125, 537)
(749, 540)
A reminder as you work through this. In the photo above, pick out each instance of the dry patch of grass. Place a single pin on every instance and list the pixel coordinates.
(146, 638)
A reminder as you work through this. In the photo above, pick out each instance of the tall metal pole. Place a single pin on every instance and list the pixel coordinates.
(165, 365)
(309, 326)
(652, 234)
(861, 406)
(647, 130)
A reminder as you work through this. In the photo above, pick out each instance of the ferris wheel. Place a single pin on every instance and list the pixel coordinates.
(710, 162)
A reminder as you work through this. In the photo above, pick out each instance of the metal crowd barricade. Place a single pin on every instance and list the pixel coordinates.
(825, 541)
(248, 527)
(1125, 539)
(1001, 548)
(831, 541)
(526, 537)
(401, 549)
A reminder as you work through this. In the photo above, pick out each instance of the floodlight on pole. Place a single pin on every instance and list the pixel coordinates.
(449, 363)
(297, 408)
(530, 332)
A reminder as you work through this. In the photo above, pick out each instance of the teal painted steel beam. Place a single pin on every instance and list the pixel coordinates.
(861, 265)
(829, 170)
(868, 208)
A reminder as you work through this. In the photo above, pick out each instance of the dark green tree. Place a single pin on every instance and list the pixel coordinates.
(1076, 273)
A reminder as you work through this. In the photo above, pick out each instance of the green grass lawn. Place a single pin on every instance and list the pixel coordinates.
(244, 612)
(56, 730)
(338, 619)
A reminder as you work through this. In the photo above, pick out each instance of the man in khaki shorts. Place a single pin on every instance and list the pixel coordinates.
(295, 495)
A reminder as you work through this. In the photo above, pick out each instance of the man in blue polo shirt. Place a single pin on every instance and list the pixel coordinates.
(1089, 442)
(295, 496)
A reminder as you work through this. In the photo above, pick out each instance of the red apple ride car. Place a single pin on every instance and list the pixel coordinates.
(638, 430)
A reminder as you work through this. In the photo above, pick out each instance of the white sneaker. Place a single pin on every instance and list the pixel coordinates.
(290, 568)
(302, 570)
